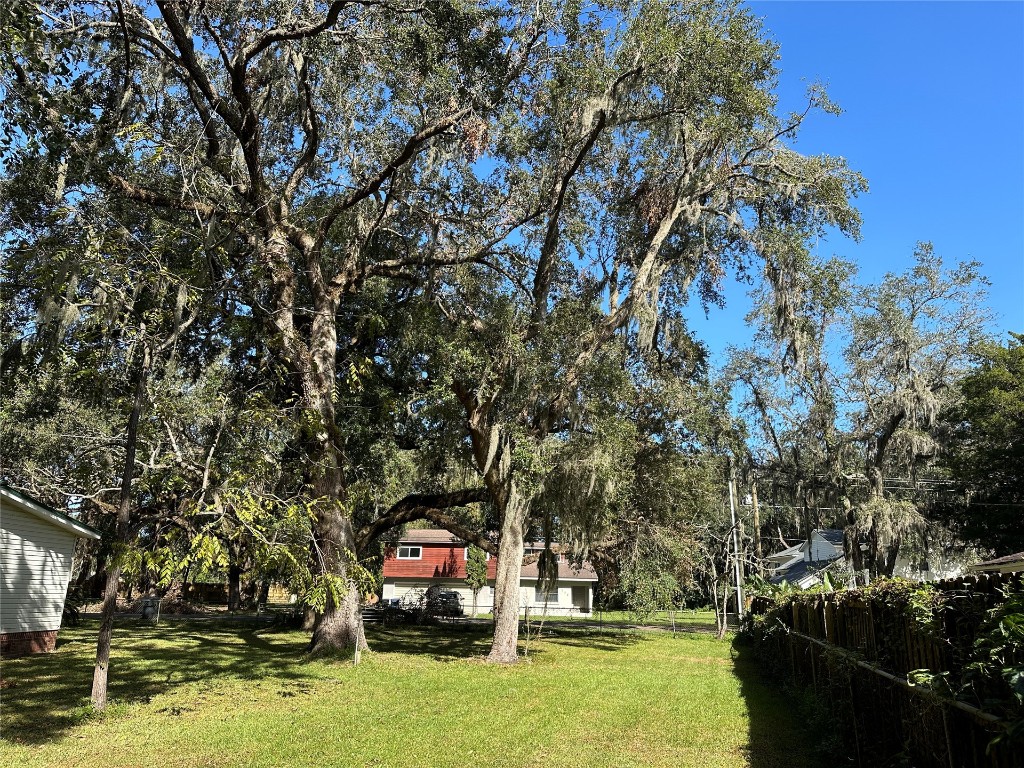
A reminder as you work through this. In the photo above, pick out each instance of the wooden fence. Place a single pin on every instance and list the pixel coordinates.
(856, 653)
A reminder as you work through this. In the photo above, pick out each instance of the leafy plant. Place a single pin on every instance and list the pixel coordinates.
(998, 654)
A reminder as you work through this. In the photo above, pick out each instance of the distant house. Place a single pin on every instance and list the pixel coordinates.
(425, 558)
(802, 564)
(1005, 564)
(37, 546)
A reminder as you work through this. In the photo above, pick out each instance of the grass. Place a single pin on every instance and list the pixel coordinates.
(684, 619)
(221, 694)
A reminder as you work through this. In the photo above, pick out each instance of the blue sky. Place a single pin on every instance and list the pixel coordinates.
(933, 100)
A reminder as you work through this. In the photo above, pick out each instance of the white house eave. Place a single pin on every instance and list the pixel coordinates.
(795, 552)
(33, 508)
(1004, 568)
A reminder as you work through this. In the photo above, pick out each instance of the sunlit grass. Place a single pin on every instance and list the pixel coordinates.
(682, 619)
(190, 694)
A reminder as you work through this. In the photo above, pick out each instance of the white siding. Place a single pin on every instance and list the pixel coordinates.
(562, 607)
(394, 587)
(35, 566)
(822, 549)
(401, 587)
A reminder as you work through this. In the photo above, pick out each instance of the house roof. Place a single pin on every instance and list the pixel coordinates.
(430, 536)
(831, 535)
(27, 504)
(800, 570)
(787, 554)
(1006, 564)
(565, 571)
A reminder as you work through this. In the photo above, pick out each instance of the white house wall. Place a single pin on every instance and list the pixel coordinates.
(822, 549)
(941, 567)
(35, 567)
(400, 588)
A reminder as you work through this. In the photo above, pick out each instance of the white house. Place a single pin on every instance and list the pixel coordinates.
(802, 564)
(37, 546)
(425, 558)
(1006, 564)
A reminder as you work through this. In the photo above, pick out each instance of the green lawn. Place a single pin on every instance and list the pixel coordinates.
(684, 619)
(202, 694)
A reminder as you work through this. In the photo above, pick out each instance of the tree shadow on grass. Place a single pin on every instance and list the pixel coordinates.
(594, 640)
(442, 643)
(777, 736)
(46, 695)
(452, 642)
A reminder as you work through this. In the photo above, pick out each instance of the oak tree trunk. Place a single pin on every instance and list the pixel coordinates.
(505, 644)
(339, 628)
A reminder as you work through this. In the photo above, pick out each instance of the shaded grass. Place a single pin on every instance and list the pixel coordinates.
(223, 695)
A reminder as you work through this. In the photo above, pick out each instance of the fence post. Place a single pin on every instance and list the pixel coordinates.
(873, 651)
(949, 742)
(853, 713)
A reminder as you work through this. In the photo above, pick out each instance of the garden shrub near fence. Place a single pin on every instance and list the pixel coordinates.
(932, 673)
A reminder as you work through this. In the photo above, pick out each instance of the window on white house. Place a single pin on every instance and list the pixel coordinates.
(540, 596)
(410, 553)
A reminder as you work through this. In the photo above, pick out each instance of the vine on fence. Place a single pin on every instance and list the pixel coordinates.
(998, 655)
(972, 650)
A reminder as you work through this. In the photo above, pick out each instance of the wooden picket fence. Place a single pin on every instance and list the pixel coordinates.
(856, 652)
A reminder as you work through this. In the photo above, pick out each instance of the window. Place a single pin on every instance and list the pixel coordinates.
(465, 555)
(410, 553)
(541, 597)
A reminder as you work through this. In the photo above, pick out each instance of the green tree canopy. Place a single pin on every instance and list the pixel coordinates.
(984, 450)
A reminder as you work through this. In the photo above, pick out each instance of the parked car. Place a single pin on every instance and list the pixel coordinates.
(444, 602)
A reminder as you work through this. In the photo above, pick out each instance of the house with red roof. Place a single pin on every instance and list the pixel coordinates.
(427, 558)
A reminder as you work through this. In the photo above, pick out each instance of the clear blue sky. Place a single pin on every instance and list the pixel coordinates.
(933, 100)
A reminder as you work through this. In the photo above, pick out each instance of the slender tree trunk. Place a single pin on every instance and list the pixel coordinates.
(234, 582)
(309, 619)
(805, 523)
(100, 673)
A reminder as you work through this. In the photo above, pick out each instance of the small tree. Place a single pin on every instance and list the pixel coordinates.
(476, 573)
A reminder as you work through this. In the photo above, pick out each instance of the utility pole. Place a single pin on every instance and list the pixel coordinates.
(735, 545)
(757, 520)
